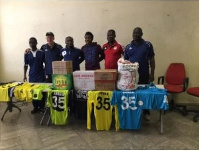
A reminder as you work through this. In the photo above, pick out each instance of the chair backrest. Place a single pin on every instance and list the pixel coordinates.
(175, 74)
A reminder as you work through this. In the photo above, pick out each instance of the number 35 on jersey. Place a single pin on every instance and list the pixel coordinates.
(102, 110)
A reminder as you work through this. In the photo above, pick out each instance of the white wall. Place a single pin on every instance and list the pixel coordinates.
(172, 27)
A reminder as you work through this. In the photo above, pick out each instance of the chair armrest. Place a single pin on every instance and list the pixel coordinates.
(161, 80)
(185, 83)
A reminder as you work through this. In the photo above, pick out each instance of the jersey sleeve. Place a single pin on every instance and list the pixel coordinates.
(151, 50)
(48, 103)
(60, 49)
(126, 56)
(114, 103)
(121, 49)
(101, 53)
(116, 118)
(81, 57)
(113, 99)
(43, 57)
(26, 59)
(89, 108)
(67, 100)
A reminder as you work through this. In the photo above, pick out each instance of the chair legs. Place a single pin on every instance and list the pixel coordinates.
(196, 116)
(175, 107)
(10, 106)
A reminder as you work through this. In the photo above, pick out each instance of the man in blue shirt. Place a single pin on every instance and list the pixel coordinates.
(70, 53)
(35, 59)
(141, 51)
(52, 53)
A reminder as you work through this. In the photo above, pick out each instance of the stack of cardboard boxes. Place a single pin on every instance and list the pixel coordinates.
(62, 75)
(105, 79)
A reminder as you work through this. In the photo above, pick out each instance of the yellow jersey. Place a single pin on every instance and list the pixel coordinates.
(4, 92)
(102, 110)
(20, 92)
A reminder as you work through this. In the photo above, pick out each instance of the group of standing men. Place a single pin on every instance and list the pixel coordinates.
(138, 50)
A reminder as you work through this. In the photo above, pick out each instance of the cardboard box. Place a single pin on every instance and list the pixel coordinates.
(105, 74)
(83, 80)
(107, 85)
(62, 81)
(62, 67)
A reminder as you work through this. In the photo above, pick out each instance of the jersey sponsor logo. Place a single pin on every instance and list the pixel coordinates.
(115, 48)
(165, 99)
(64, 53)
(58, 101)
(140, 103)
(130, 48)
(103, 103)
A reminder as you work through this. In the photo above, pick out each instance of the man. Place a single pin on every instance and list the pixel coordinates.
(34, 59)
(70, 53)
(112, 50)
(93, 53)
(52, 52)
(141, 51)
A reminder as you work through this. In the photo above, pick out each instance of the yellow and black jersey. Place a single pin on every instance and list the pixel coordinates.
(102, 110)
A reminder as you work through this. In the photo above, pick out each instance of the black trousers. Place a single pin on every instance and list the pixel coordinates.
(144, 79)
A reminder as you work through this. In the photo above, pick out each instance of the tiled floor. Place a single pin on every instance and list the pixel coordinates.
(23, 131)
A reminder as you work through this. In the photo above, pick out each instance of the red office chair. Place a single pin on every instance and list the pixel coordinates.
(176, 82)
(194, 91)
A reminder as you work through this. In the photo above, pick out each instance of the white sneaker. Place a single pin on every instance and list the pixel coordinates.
(146, 117)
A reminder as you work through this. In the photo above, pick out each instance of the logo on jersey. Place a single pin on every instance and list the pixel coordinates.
(64, 53)
(46, 50)
(165, 99)
(130, 48)
(140, 103)
(58, 101)
(105, 48)
(115, 48)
